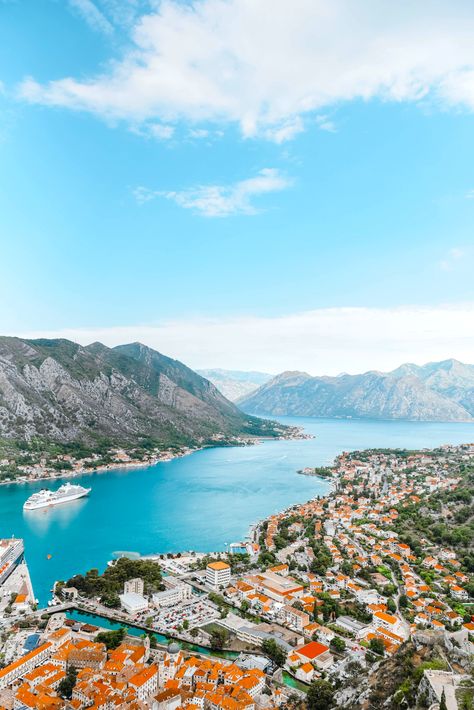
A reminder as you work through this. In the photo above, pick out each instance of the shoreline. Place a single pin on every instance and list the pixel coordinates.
(100, 469)
(21, 480)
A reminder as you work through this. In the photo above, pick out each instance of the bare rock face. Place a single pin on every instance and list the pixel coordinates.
(62, 391)
(435, 392)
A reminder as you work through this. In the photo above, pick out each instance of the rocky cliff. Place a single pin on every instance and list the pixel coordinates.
(59, 390)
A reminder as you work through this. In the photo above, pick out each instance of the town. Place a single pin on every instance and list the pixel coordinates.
(310, 609)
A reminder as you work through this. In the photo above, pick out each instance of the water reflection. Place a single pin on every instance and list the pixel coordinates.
(41, 520)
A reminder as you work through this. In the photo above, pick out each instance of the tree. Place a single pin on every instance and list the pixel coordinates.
(442, 702)
(112, 639)
(185, 624)
(403, 601)
(219, 638)
(338, 644)
(194, 632)
(320, 695)
(274, 651)
(391, 606)
(66, 686)
(377, 646)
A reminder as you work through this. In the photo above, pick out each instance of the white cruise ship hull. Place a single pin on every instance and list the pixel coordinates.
(55, 501)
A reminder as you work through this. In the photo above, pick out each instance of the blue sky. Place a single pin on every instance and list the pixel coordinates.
(174, 172)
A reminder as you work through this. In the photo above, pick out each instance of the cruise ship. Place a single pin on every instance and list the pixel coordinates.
(46, 498)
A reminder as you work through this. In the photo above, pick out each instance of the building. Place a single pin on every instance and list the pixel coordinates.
(218, 574)
(295, 618)
(316, 653)
(145, 682)
(133, 603)
(11, 554)
(25, 664)
(174, 595)
(278, 588)
(134, 586)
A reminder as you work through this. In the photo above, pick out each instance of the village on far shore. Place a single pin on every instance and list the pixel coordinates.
(321, 595)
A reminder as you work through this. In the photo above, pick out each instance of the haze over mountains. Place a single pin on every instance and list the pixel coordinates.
(235, 383)
(59, 390)
(438, 391)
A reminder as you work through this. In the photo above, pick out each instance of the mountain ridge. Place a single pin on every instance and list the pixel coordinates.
(62, 391)
(442, 391)
(235, 383)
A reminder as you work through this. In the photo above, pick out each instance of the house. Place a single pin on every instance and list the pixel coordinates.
(306, 672)
(316, 653)
(295, 618)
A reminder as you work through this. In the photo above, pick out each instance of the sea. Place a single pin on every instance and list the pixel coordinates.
(203, 502)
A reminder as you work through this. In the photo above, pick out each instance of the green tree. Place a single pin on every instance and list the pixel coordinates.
(219, 638)
(338, 644)
(376, 646)
(320, 695)
(66, 686)
(391, 605)
(442, 702)
(274, 651)
(112, 639)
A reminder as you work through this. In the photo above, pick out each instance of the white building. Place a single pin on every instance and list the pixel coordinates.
(145, 682)
(174, 595)
(25, 664)
(218, 574)
(134, 586)
(133, 603)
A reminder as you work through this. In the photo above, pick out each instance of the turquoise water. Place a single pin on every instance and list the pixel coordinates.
(199, 502)
(105, 623)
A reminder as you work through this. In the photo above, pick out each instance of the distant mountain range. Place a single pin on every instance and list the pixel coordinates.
(438, 391)
(61, 391)
(235, 383)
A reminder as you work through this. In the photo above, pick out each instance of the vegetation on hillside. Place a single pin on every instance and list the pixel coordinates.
(109, 585)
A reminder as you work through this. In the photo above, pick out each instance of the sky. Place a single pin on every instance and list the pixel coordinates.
(248, 184)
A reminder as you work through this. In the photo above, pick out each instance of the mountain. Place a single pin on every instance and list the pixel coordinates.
(440, 391)
(61, 391)
(234, 383)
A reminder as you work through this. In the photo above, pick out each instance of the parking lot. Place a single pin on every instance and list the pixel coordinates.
(196, 613)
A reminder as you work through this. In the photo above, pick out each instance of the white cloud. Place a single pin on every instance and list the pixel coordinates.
(264, 63)
(285, 131)
(221, 200)
(161, 131)
(453, 258)
(324, 341)
(92, 15)
(325, 124)
(198, 133)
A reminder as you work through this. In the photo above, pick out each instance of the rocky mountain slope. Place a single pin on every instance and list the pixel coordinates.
(58, 390)
(442, 391)
(235, 383)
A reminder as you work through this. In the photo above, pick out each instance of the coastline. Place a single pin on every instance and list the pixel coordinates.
(169, 456)
(101, 469)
